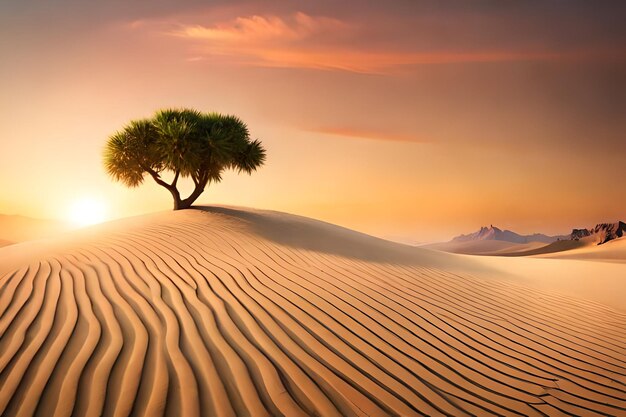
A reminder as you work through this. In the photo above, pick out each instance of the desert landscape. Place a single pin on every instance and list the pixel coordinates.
(256, 208)
(230, 311)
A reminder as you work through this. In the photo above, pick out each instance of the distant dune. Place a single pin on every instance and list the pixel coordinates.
(583, 249)
(611, 251)
(484, 247)
(20, 228)
(233, 312)
(560, 246)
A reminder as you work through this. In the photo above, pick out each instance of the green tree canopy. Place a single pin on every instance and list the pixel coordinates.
(188, 143)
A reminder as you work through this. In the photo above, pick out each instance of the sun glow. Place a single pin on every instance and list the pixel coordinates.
(87, 211)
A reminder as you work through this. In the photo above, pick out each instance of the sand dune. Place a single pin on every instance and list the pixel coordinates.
(583, 249)
(485, 247)
(611, 251)
(554, 247)
(229, 312)
(20, 229)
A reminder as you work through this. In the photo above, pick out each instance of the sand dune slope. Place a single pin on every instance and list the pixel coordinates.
(612, 251)
(485, 247)
(240, 313)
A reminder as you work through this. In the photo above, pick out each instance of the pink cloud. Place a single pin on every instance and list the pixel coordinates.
(318, 42)
(256, 30)
(360, 133)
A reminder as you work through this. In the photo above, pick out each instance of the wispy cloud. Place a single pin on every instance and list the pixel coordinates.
(301, 40)
(361, 133)
(255, 30)
(296, 41)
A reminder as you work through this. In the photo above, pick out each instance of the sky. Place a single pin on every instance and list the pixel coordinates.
(410, 120)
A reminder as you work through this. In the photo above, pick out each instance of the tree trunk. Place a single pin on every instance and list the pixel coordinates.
(187, 202)
(180, 204)
(177, 203)
(175, 196)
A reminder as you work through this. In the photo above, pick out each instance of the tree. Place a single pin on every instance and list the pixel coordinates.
(185, 142)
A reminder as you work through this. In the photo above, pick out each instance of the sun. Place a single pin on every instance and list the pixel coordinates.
(86, 211)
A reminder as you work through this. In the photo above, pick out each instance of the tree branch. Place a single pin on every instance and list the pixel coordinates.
(157, 178)
(175, 178)
(204, 180)
(162, 183)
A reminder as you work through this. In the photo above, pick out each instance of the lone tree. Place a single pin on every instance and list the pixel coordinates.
(185, 142)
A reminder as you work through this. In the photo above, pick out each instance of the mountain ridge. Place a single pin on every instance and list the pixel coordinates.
(495, 233)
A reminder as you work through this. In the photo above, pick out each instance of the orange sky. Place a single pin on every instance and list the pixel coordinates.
(416, 120)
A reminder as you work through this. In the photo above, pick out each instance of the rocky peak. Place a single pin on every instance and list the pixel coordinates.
(603, 232)
(494, 233)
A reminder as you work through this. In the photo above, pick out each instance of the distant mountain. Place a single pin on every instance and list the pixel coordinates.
(602, 233)
(497, 242)
(494, 233)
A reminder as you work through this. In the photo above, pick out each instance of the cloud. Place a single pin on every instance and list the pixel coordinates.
(296, 41)
(256, 30)
(305, 41)
(360, 133)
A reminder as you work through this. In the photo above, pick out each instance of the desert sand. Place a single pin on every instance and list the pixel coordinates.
(15, 229)
(612, 251)
(238, 312)
(485, 247)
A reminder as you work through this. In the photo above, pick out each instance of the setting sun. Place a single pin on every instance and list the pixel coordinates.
(87, 211)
